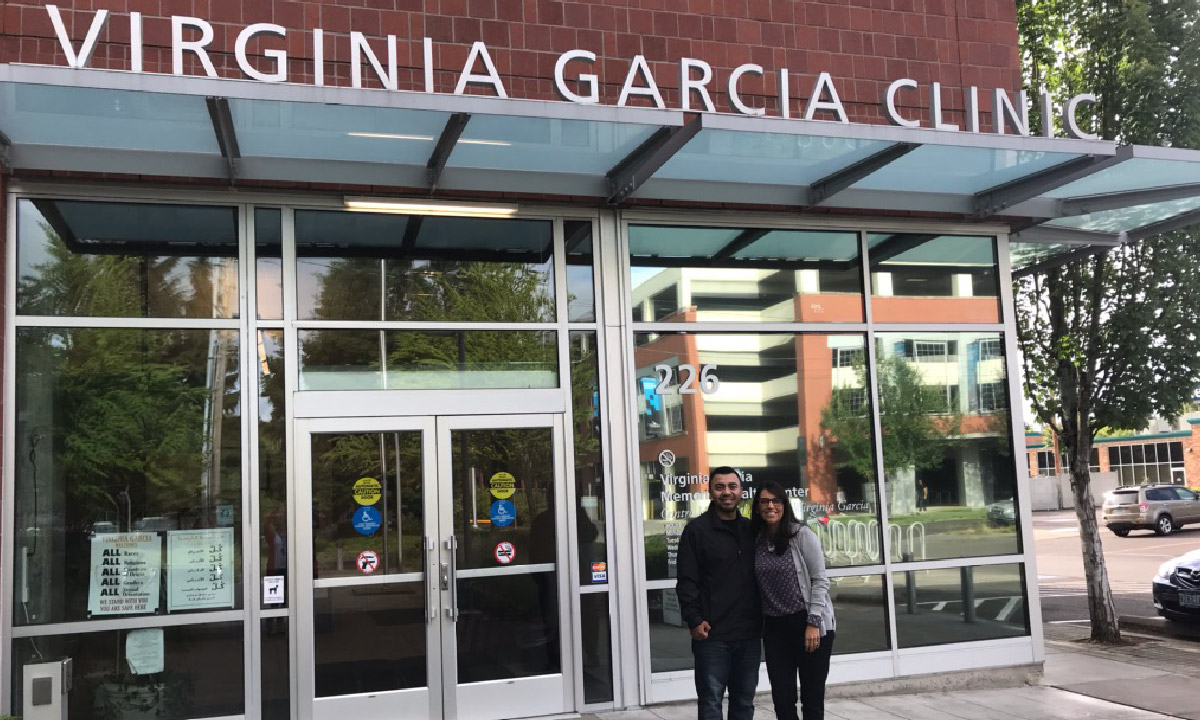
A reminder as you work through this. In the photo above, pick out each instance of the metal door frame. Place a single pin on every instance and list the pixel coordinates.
(442, 691)
(365, 706)
(520, 697)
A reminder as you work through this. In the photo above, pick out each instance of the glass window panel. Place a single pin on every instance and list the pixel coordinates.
(670, 641)
(272, 457)
(201, 676)
(912, 277)
(957, 169)
(1126, 455)
(508, 621)
(268, 254)
(339, 461)
(1139, 454)
(432, 360)
(1152, 452)
(321, 131)
(949, 469)
(368, 266)
(771, 158)
(1126, 218)
(860, 608)
(276, 673)
(1177, 452)
(1132, 174)
(369, 638)
(688, 274)
(773, 407)
(122, 433)
(516, 143)
(984, 602)
(110, 119)
(98, 259)
(596, 630)
(591, 513)
(581, 303)
(1114, 457)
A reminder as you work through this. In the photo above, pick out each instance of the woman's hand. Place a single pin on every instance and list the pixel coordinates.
(812, 638)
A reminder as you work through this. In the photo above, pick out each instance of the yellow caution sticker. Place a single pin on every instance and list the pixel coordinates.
(502, 485)
(367, 491)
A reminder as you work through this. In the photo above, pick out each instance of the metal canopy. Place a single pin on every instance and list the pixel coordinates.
(1063, 194)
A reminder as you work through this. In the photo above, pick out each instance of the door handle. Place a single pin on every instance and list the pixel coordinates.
(450, 578)
(430, 597)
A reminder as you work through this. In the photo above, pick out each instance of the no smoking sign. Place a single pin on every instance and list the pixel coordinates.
(505, 553)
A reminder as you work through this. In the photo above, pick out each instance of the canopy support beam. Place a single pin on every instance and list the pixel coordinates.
(987, 203)
(1129, 198)
(640, 165)
(445, 145)
(824, 189)
(222, 121)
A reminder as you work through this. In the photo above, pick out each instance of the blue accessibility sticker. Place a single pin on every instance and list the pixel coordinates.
(367, 520)
(502, 512)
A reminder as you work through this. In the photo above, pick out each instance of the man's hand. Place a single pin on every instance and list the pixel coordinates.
(812, 638)
(700, 632)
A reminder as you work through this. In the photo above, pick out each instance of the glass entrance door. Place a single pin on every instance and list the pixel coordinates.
(436, 588)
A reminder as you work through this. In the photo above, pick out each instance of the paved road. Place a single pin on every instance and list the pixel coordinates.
(1131, 562)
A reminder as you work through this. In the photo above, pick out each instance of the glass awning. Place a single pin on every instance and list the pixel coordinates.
(1068, 195)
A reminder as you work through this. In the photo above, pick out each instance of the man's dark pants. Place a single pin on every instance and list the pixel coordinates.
(724, 664)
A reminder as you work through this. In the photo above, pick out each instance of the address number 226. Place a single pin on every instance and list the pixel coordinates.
(689, 378)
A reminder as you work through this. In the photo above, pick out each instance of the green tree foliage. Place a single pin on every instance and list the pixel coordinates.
(1110, 340)
(916, 420)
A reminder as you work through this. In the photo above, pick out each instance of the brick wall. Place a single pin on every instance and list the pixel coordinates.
(865, 44)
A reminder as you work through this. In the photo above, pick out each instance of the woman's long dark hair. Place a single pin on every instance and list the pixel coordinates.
(785, 530)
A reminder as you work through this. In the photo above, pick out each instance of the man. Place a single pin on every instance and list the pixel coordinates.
(718, 598)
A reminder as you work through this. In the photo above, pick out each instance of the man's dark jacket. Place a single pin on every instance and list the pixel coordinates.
(716, 578)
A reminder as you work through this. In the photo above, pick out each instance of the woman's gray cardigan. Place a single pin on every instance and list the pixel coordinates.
(810, 569)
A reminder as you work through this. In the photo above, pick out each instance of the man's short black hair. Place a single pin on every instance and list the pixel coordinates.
(724, 470)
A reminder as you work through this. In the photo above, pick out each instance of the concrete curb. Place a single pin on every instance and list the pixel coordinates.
(1161, 626)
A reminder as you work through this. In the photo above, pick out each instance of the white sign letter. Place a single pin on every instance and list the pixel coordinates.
(687, 85)
(359, 48)
(479, 52)
(135, 42)
(178, 46)
(1071, 117)
(824, 84)
(589, 81)
(973, 109)
(1002, 109)
(279, 56)
(735, 99)
(935, 93)
(638, 66)
(79, 60)
(318, 57)
(890, 103)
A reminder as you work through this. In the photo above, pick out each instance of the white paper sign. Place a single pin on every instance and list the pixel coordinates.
(144, 651)
(273, 590)
(199, 569)
(125, 573)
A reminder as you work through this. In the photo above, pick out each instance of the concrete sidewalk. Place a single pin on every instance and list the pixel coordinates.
(1151, 680)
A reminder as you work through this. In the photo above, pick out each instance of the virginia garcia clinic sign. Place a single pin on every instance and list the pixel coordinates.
(192, 36)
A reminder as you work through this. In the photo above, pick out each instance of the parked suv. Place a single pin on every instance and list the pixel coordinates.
(1161, 508)
(1177, 588)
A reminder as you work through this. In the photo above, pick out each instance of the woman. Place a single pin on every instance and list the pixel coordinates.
(798, 624)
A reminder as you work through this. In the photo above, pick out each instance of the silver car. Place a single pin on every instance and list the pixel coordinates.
(1161, 508)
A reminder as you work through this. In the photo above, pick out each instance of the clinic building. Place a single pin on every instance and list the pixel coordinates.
(367, 359)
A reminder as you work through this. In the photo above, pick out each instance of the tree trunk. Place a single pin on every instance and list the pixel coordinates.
(1101, 609)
